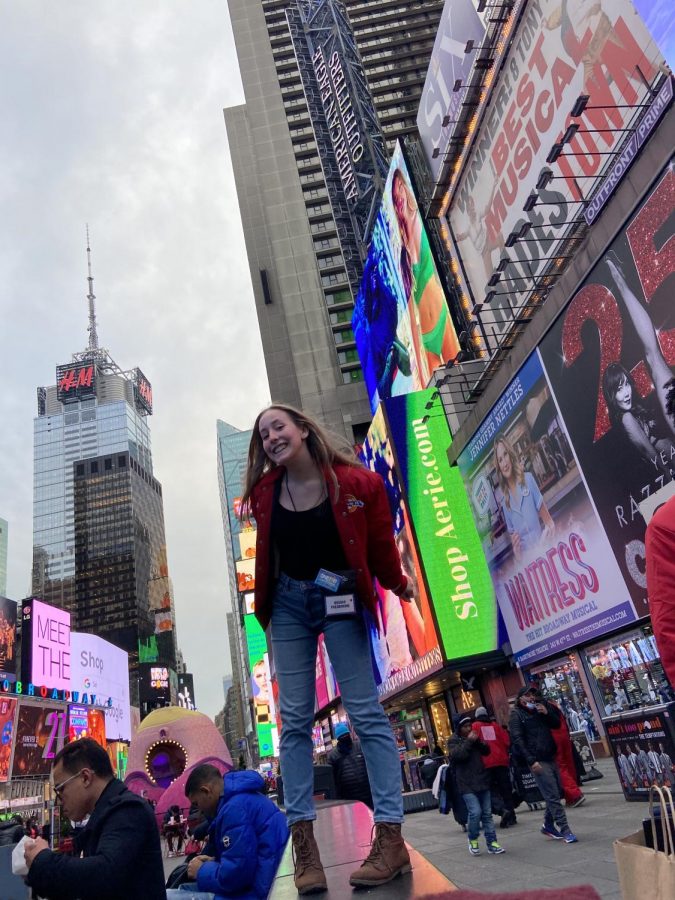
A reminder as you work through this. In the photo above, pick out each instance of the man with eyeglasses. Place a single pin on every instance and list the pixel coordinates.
(117, 853)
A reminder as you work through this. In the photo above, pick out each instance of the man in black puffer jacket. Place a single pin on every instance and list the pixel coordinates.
(473, 783)
(349, 768)
(121, 854)
(11, 831)
(530, 728)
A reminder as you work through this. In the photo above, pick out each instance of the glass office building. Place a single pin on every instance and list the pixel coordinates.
(98, 524)
(232, 453)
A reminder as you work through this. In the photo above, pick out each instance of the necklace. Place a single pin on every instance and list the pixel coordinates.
(290, 496)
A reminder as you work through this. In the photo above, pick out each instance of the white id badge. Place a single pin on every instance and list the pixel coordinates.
(341, 605)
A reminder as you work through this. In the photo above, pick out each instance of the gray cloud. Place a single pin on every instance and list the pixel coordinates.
(112, 115)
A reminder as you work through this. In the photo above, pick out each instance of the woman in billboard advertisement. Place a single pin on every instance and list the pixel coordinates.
(421, 283)
(525, 512)
(324, 532)
(620, 392)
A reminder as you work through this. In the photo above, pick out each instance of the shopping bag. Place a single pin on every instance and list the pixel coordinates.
(19, 866)
(644, 873)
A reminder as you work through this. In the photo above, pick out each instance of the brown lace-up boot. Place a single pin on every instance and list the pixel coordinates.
(309, 877)
(388, 858)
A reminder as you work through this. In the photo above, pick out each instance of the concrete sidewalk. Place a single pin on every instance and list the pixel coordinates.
(531, 860)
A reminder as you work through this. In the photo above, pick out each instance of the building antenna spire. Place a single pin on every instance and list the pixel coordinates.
(93, 336)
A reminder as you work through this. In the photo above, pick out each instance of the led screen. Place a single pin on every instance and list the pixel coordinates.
(40, 733)
(403, 637)
(7, 639)
(401, 322)
(450, 551)
(245, 574)
(261, 686)
(98, 667)
(7, 715)
(247, 543)
(45, 654)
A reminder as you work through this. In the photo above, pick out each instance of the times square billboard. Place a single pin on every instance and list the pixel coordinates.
(401, 320)
(580, 438)
(453, 614)
(556, 55)
(8, 611)
(101, 668)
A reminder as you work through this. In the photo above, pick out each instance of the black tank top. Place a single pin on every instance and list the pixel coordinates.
(307, 541)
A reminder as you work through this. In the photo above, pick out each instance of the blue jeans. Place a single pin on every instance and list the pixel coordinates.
(298, 617)
(479, 806)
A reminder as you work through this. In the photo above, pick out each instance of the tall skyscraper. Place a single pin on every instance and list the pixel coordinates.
(300, 276)
(99, 548)
(232, 451)
(4, 527)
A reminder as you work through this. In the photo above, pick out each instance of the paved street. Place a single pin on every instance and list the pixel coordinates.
(531, 860)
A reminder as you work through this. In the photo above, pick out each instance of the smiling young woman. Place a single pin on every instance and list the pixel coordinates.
(324, 530)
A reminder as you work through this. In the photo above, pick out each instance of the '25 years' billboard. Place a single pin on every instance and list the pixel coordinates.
(581, 436)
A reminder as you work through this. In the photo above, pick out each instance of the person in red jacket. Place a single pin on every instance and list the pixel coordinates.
(324, 530)
(572, 793)
(660, 546)
(497, 761)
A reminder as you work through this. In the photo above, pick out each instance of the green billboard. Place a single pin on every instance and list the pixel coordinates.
(453, 563)
(261, 687)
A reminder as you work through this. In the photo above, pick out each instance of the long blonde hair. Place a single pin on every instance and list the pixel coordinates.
(516, 467)
(324, 448)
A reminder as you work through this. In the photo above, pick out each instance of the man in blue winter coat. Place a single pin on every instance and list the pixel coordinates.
(248, 834)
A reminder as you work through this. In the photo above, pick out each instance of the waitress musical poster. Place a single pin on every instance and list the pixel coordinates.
(552, 568)
(609, 357)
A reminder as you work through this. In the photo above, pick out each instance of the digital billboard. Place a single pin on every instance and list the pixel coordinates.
(155, 684)
(326, 685)
(45, 649)
(245, 574)
(261, 686)
(99, 667)
(78, 722)
(96, 726)
(558, 53)
(75, 381)
(7, 640)
(608, 357)
(401, 321)
(143, 392)
(441, 105)
(247, 539)
(403, 637)
(450, 551)
(554, 576)
(40, 734)
(186, 690)
(7, 715)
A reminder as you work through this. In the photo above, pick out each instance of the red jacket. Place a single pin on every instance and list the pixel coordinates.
(363, 522)
(660, 546)
(497, 739)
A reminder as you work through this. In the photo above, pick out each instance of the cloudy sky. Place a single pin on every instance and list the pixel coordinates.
(112, 115)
